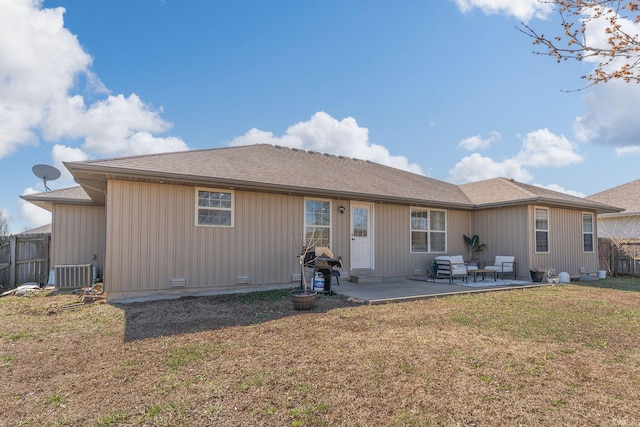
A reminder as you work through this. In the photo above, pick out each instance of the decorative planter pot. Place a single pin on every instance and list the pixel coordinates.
(303, 300)
(536, 276)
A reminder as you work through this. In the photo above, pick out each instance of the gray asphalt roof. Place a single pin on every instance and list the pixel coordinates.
(625, 196)
(502, 191)
(281, 169)
(284, 169)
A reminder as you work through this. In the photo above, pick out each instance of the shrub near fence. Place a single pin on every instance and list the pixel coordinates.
(24, 258)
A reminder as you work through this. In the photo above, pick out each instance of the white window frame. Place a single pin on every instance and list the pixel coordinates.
(592, 232)
(537, 230)
(328, 227)
(214, 208)
(428, 231)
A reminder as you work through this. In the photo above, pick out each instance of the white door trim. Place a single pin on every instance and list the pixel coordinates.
(362, 247)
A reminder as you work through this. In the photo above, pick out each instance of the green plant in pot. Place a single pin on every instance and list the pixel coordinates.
(475, 247)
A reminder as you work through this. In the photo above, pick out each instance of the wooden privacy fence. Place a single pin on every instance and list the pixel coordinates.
(24, 258)
(622, 259)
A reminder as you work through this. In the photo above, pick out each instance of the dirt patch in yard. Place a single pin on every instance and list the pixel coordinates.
(549, 356)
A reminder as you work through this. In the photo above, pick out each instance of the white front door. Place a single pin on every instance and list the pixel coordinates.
(361, 235)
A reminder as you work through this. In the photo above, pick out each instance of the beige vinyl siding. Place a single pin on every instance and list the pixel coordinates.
(341, 231)
(153, 238)
(79, 235)
(393, 240)
(619, 227)
(565, 243)
(505, 232)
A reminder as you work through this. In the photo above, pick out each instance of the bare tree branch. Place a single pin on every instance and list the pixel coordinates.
(604, 32)
(4, 222)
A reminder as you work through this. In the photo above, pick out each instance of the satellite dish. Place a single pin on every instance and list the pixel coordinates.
(46, 173)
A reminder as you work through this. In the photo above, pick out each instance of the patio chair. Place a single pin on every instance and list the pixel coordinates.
(503, 264)
(450, 267)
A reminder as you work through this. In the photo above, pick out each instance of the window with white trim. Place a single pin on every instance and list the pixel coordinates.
(542, 229)
(587, 232)
(428, 230)
(317, 222)
(214, 208)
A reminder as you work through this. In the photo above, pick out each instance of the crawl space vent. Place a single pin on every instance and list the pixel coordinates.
(178, 282)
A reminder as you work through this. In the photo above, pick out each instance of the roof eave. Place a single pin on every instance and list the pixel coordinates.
(83, 173)
(598, 208)
(48, 202)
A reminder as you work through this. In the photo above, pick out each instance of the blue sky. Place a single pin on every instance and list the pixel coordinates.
(446, 88)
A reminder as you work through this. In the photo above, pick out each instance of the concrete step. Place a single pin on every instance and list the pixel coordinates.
(364, 276)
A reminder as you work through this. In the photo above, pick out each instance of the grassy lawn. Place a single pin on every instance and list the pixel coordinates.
(558, 355)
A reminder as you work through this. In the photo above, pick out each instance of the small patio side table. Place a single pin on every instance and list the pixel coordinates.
(484, 274)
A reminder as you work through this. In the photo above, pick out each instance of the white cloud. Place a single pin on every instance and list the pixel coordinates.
(31, 213)
(544, 148)
(524, 10)
(597, 35)
(326, 134)
(539, 148)
(628, 151)
(560, 189)
(477, 168)
(61, 153)
(611, 115)
(476, 142)
(40, 64)
(118, 125)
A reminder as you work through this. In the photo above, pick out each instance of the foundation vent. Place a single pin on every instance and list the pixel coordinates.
(178, 282)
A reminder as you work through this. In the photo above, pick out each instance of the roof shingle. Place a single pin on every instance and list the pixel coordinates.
(625, 196)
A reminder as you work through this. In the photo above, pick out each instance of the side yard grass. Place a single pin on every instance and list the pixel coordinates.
(561, 355)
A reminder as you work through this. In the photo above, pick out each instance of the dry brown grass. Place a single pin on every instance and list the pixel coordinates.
(567, 355)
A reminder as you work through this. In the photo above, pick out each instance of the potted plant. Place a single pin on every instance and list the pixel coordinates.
(304, 298)
(552, 277)
(475, 247)
(536, 274)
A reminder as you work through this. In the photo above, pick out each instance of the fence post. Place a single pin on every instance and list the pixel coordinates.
(47, 258)
(12, 261)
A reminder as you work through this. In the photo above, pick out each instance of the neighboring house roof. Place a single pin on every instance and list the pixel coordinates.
(71, 195)
(273, 169)
(625, 196)
(504, 192)
(38, 230)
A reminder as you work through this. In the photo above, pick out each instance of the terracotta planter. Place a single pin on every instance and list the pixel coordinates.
(303, 300)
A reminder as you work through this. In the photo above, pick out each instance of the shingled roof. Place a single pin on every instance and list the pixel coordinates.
(504, 192)
(71, 195)
(271, 168)
(625, 196)
(274, 169)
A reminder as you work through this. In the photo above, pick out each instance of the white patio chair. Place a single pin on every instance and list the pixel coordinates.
(503, 264)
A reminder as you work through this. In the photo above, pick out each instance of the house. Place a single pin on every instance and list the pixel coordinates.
(620, 231)
(624, 224)
(236, 219)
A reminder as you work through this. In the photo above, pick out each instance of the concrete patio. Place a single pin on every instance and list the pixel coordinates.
(407, 289)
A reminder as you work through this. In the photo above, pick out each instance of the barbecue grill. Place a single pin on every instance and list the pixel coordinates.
(321, 260)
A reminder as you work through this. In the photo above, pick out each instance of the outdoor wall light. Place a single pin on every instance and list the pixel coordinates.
(341, 209)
